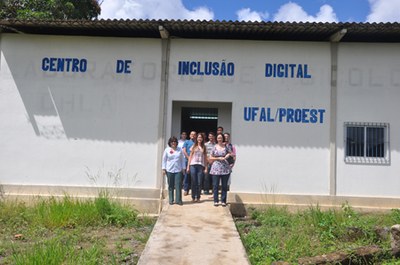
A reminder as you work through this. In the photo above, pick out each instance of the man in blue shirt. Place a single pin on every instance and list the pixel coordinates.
(186, 151)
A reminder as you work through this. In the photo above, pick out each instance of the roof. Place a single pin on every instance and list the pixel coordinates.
(286, 31)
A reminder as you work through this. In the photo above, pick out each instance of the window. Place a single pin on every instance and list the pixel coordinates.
(367, 143)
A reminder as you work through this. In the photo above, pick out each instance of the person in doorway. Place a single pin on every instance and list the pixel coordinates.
(197, 165)
(207, 177)
(220, 129)
(182, 140)
(220, 170)
(173, 165)
(186, 151)
(231, 149)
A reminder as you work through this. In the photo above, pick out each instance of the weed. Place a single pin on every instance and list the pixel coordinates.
(275, 234)
(70, 231)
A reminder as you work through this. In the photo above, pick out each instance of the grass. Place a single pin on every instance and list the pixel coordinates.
(276, 234)
(69, 231)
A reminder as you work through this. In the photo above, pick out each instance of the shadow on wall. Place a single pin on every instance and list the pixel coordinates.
(95, 105)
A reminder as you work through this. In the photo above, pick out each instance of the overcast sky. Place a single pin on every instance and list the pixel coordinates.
(255, 10)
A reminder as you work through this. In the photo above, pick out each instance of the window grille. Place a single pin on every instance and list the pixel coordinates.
(367, 143)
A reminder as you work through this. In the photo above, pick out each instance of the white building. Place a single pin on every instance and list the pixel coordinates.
(312, 108)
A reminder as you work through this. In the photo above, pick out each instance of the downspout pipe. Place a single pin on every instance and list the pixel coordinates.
(165, 53)
(334, 45)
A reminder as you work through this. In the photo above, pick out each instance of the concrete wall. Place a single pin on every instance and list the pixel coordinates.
(91, 128)
(103, 128)
(273, 157)
(369, 91)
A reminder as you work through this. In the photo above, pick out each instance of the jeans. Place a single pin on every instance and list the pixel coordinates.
(196, 171)
(224, 187)
(207, 181)
(186, 179)
(174, 182)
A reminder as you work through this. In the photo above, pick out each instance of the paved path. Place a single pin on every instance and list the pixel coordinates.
(195, 233)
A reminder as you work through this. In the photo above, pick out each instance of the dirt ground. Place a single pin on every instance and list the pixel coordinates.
(119, 244)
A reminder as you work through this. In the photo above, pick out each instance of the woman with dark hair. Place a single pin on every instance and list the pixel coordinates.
(220, 169)
(197, 165)
(173, 165)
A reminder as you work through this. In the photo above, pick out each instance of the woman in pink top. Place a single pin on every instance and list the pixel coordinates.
(197, 166)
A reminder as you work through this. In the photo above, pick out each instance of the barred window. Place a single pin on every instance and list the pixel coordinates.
(367, 143)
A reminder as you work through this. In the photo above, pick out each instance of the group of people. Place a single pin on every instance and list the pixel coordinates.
(196, 164)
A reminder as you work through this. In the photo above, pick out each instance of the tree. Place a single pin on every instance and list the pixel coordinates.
(49, 9)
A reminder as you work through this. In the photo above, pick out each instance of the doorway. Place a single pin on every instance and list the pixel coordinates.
(199, 116)
(199, 119)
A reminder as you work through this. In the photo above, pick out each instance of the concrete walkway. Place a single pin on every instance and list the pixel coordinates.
(195, 233)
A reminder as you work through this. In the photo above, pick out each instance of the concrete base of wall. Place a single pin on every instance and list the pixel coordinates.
(147, 201)
(240, 202)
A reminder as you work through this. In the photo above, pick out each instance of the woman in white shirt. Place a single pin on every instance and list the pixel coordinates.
(173, 165)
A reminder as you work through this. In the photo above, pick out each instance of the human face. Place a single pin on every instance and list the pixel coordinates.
(192, 135)
(220, 139)
(227, 138)
(199, 138)
(174, 144)
(211, 137)
(219, 130)
(183, 135)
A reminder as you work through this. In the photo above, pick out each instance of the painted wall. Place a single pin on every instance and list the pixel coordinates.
(90, 121)
(288, 155)
(369, 91)
(99, 124)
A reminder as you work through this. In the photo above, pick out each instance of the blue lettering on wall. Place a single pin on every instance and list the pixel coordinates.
(286, 70)
(64, 64)
(206, 68)
(123, 66)
(284, 115)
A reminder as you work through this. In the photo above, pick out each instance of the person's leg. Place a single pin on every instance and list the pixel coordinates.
(206, 186)
(193, 174)
(178, 188)
(186, 181)
(224, 188)
(171, 184)
(199, 180)
(215, 179)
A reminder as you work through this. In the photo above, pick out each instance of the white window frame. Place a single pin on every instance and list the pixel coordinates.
(385, 160)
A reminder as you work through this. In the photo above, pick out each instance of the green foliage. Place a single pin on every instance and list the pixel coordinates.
(275, 234)
(67, 212)
(66, 231)
(58, 251)
(49, 9)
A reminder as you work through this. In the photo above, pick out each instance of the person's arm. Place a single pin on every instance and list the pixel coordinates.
(205, 162)
(164, 162)
(189, 159)
(182, 161)
(184, 150)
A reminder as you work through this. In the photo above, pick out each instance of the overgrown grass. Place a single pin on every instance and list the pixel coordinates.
(276, 234)
(70, 231)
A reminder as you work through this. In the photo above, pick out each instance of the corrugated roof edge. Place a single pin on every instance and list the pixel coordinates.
(208, 29)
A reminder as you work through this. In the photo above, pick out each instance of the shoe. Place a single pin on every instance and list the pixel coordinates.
(170, 203)
(180, 203)
(193, 200)
(223, 204)
(215, 203)
(185, 193)
(198, 200)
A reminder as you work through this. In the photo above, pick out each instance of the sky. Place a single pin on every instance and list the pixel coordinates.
(255, 10)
